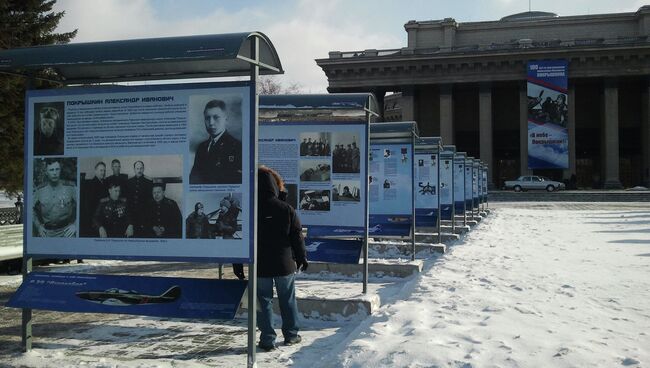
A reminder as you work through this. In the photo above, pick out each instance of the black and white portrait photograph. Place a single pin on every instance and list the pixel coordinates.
(315, 144)
(213, 215)
(49, 129)
(55, 198)
(215, 139)
(346, 154)
(346, 191)
(131, 196)
(314, 200)
(315, 170)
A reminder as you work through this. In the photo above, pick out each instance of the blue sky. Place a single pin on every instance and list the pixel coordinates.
(301, 30)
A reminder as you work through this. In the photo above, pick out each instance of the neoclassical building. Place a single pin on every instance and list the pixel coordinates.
(466, 82)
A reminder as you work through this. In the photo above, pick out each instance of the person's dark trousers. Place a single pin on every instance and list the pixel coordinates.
(288, 307)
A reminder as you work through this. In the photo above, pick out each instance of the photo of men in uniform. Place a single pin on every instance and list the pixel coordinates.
(215, 216)
(315, 144)
(112, 218)
(218, 157)
(48, 128)
(129, 206)
(55, 198)
(346, 157)
(164, 218)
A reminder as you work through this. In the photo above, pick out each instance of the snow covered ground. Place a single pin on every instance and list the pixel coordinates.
(534, 285)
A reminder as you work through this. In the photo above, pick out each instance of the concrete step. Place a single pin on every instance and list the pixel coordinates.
(330, 300)
(375, 269)
(425, 237)
(407, 248)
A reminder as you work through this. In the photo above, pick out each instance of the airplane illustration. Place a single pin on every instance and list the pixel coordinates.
(313, 246)
(119, 297)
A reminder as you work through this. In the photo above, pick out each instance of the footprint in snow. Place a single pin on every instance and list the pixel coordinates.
(562, 352)
(630, 361)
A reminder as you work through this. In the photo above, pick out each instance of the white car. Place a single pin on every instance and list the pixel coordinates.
(528, 182)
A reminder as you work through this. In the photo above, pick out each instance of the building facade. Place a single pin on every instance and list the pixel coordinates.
(466, 82)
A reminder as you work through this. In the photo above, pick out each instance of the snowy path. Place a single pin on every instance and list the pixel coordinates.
(527, 288)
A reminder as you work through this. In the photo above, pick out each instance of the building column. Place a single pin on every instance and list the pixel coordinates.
(610, 138)
(485, 128)
(571, 130)
(523, 129)
(446, 114)
(645, 139)
(407, 104)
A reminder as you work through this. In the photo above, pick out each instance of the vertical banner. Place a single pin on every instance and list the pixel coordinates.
(146, 172)
(447, 184)
(460, 198)
(426, 188)
(391, 188)
(548, 142)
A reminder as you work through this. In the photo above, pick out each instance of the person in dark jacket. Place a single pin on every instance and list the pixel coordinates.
(280, 253)
(196, 224)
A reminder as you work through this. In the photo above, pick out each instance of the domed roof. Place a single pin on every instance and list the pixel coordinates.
(529, 15)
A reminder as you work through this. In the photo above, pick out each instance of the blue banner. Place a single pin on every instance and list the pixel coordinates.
(138, 295)
(391, 188)
(333, 250)
(548, 112)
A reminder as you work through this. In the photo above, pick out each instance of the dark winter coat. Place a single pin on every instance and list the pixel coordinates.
(279, 232)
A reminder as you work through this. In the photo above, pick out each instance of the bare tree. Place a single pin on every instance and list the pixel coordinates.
(270, 85)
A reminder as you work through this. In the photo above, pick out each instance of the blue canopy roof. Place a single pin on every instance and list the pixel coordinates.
(337, 106)
(146, 59)
(402, 129)
(428, 143)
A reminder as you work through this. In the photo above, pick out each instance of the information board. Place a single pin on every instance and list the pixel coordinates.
(148, 172)
(476, 194)
(484, 176)
(446, 185)
(323, 166)
(468, 183)
(391, 188)
(459, 183)
(426, 189)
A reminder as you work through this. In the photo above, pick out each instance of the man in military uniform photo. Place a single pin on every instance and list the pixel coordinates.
(55, 204)
(138, 194)
(48, 135)
(112, 219)
(197, 225)
(218, 160)
(164, 217)
(118, 177)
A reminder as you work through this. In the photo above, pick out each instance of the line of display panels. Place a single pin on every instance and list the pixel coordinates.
(167, 172)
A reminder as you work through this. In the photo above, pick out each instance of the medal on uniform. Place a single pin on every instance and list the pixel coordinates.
(231, 158)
